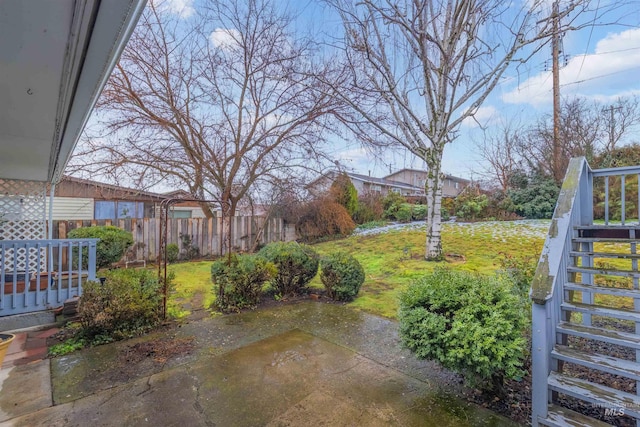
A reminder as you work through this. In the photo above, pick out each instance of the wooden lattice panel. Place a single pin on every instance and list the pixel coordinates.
(22, 217)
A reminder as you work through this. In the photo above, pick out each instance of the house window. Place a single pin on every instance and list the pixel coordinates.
(107, 209)
(456, 185)
(180, 214)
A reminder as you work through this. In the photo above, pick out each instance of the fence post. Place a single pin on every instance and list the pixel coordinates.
(92, 259)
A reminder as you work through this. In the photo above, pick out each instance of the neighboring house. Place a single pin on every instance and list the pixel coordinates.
(82, 199)
(451, 187)
(364, 184)
(408, 182)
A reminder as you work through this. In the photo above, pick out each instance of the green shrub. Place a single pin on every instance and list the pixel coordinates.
(113, 243)
(128, 303)
(535, 197)
(241, 278)
(173, 252)
(190, 250)
(520, 270)
(419, 212)
(471, 205)
(342, 275)
(344, 193)
(404, 212)
(297, 264)
(469, 323)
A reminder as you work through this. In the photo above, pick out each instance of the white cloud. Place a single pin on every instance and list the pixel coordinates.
(183, 8)
(484, 116)
(224, 38)
(598, 74)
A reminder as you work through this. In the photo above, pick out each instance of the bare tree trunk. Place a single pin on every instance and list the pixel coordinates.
(433, 190)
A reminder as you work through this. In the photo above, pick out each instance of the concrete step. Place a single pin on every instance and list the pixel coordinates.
(611, 365)
(27, 320)
(562, 417)
(607, 290)
(596, 394)
(597, 310)
(600, 334)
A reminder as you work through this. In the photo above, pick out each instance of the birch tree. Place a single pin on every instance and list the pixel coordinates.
(417, 69)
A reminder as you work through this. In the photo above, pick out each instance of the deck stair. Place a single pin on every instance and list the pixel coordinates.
(586, 311)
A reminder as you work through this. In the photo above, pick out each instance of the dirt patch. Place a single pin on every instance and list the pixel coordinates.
(158, 351)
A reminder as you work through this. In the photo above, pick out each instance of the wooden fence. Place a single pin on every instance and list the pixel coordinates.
(204, 233)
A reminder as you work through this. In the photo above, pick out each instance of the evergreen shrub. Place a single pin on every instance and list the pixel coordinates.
(342, 275)
(469, 323)
(111, 247)
(241, 278)
(297, 264)
(127, 304)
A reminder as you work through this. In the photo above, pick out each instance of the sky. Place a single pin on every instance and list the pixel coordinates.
(599, 63)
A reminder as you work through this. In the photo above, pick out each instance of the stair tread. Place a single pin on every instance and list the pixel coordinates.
(612, 365)
(603, 271)
(595, 393)
(609, 290)
(598, 310)
(558, 416)
(607, 227)
(579, 253)
(605, 240)
(600, 334)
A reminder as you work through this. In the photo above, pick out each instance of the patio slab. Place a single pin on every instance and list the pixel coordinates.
(291, 379)
(302, 364)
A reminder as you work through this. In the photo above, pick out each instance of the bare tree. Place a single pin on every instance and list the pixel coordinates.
(499, 150)
(619, 118)
(419, 68)
(218, 104)
(586, 129)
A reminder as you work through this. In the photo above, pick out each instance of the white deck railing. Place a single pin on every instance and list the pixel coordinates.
(36, 275)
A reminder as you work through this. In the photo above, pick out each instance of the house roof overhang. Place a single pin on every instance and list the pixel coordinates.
(55, 58)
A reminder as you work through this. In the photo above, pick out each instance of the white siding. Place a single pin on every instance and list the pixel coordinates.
(70, 208)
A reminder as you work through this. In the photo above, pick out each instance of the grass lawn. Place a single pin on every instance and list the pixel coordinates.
(393, 259)
(192, 282)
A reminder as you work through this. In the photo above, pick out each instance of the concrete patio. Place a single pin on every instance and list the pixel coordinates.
(301, 364)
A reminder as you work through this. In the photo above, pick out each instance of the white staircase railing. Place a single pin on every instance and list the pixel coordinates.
(567, 267)
(574, 207)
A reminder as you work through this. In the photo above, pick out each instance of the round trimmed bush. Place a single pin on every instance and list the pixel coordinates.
(113, 243)
(297, 264)
(241, 278)
(342, 275)
(471, 324)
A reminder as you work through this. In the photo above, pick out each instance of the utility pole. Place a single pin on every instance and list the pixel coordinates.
(612, 126)
(555, 48)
